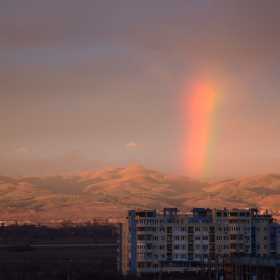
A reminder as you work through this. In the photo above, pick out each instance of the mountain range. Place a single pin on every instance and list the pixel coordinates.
(109, 192)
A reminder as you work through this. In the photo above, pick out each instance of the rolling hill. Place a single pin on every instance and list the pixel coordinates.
(109, 192)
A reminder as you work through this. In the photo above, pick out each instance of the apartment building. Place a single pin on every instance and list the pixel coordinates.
(151, 242)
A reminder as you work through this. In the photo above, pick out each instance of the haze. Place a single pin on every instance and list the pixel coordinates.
(183, 87)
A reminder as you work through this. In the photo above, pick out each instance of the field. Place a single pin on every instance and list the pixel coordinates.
(59, 263)
(70, 251)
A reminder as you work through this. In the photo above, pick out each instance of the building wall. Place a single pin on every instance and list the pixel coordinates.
(169, 241)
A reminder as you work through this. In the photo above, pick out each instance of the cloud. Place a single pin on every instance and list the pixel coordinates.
(22, 150)
(133, 146)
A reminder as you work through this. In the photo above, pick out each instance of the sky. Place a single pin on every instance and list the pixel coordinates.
(183, 87)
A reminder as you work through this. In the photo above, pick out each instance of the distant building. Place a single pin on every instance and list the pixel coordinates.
(149, 242)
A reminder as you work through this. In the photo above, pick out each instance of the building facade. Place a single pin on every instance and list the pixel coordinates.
(149, 242)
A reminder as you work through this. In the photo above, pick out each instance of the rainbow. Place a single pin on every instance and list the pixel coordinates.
(201, 112)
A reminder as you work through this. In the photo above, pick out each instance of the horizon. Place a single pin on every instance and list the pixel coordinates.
(187, 88)
(141, 166)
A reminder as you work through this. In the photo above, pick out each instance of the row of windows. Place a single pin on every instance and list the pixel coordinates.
(204, 238)
(162, 247)
(158, 238)
(180, 229)
(150, 221)
(226, 229)
(196, 229)
(197, 238)
(198, 247)
(204, 256)
(177, 238)
(232, 214)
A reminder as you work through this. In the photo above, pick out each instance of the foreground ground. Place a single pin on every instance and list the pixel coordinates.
(59, 263)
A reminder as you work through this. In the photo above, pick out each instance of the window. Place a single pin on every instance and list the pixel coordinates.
(197, 247)
(183, 228)
(265, 229)
(162, 229)
(183, 247)
(265, 246)
(176, 256)
(265, 238)
(140, 214)
(176, 229)
(162, 238)
(197, 238)
(205, 247)
(176, 247)
(162, 256)
(205, 238)
(183, 256)
(234, 214)
(197, 229)
(155, 238)
(155, 247)
(141, 255)
(219, 237)
(162, 247)
(156, 256)
(141, 246)
(197, 256)
(226, 247)
(205, 256)
(183, 237)
(176, 238)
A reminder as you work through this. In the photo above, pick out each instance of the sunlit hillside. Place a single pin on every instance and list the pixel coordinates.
(109, 192)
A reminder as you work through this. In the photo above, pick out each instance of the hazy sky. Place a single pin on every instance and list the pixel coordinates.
(185, 87)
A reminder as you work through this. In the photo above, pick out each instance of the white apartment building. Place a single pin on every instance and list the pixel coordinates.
(149, 242)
